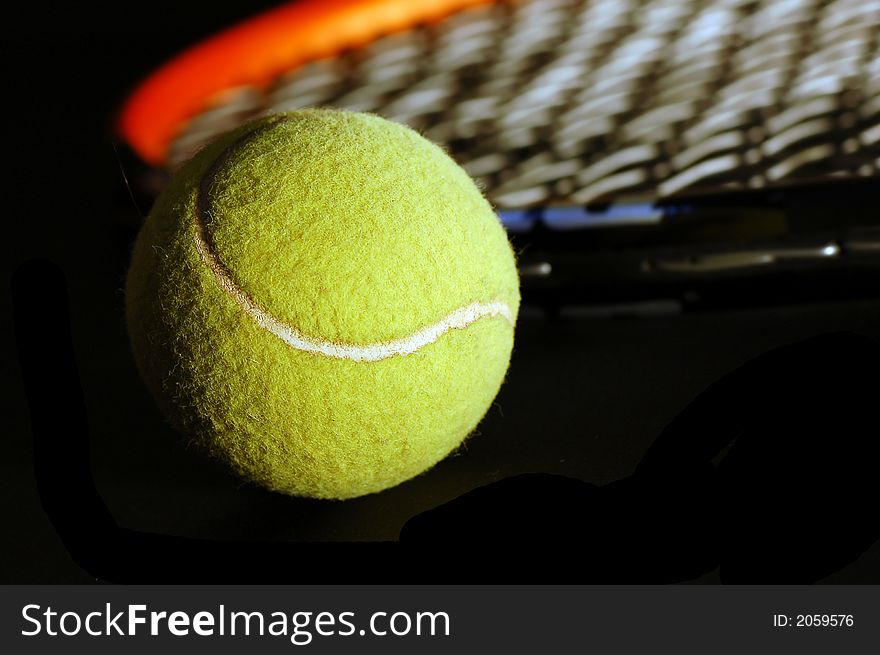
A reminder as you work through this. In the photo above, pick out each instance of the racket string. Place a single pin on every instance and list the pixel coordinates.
(555, 101)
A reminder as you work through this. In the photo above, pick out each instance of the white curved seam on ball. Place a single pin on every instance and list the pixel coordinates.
(457, 319)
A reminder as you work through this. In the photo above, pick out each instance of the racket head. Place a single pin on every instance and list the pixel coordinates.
(554, 102)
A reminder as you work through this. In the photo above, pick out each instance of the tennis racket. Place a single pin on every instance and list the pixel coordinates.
(686, 130)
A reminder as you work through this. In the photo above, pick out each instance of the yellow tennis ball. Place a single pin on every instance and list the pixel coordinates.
(325, 301)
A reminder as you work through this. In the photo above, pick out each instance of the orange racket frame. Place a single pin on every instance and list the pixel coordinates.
(257, 51)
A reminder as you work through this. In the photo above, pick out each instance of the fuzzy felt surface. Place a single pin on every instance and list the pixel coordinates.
(349, 229)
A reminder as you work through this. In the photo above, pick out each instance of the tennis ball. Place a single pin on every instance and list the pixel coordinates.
(325, 301)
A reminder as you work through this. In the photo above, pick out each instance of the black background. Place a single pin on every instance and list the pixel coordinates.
(584, 398)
